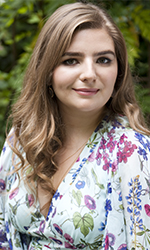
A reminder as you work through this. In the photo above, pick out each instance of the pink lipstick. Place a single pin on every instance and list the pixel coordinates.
(86, 91)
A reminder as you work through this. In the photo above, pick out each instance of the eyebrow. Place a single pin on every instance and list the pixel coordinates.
(95, 54)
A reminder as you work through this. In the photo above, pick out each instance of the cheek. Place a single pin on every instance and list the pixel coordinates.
(57, 79)
(111, 76)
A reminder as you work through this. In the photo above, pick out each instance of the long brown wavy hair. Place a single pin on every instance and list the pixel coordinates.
(37, 126)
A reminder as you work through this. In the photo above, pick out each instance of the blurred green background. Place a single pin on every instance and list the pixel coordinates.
(21, 22)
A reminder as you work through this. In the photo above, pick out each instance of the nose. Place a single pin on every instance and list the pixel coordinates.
(88, 72)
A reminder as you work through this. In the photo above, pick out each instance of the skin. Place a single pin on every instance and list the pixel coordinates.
(85, 79)
(83, 82)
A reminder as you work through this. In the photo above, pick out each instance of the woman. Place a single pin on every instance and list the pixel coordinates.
(75, 170)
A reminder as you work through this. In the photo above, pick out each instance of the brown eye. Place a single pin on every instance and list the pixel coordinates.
(70, 62)
(103, 60)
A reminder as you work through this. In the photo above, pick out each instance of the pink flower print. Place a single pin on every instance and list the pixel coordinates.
(67, 245)
(147, 209)
(111, 144)
(13, 193)
(1, 168)
(114, 166)
(112, 131)
(78, 159)
(47, 246)
(103, 144)
(69, 238)
(89, 202)
(91, 157)
(107, 166)
(42, 226)
(122, 138)
(106, 242)
(98, 157)
(30, 199)
(126, 152)
(105, 158)
(2, 185)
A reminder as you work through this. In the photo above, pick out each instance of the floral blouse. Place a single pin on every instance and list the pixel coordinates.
(102, 203)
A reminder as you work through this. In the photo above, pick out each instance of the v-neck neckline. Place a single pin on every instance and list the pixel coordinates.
(75, 169)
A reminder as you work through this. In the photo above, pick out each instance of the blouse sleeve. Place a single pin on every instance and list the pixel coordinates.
(5, 166)
(135, 185)
(10, 238)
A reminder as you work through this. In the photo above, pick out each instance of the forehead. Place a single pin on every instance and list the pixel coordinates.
(96, 38)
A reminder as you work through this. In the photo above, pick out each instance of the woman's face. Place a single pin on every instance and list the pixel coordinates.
(85, 78)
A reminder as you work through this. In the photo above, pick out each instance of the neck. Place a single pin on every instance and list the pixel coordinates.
(80, 126)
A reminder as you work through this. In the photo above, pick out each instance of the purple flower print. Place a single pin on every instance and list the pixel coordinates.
(108, 205)
(58, 229)
(67, 245)
(109, 240)
(120, 196)
(143, 153)
(4, 149)
(122, 247)
(140, 137)
(109, 188)
(13, 193)
(80, 184)
(30, 199)
(89, 202)
(42, 226)
(69, 238)
(55, 209)
(59, 242)
(2, 185)
(2, 236)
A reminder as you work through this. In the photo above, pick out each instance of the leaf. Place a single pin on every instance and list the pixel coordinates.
(22, 10)
(17, 244)
(34, 19)
(77, 195)
(121, 207)
(141, 233)
(101, 186)
(84, 223)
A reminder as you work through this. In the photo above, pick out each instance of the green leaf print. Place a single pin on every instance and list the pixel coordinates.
(17, 244)
(14, 208)
(84, 223)
(101, 186)
(77, 195)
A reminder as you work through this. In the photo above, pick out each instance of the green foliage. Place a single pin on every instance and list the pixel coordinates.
(21, 22)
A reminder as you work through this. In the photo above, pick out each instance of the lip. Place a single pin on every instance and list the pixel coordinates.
(86, 91)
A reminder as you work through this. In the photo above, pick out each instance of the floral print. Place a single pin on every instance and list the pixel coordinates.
(102, 203)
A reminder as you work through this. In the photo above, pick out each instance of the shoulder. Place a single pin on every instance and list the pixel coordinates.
(119, 129)
(122, 141)
(6, 164)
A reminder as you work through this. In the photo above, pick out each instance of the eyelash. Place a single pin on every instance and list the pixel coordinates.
(70, 62)
(104, 60)
(73, 61)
